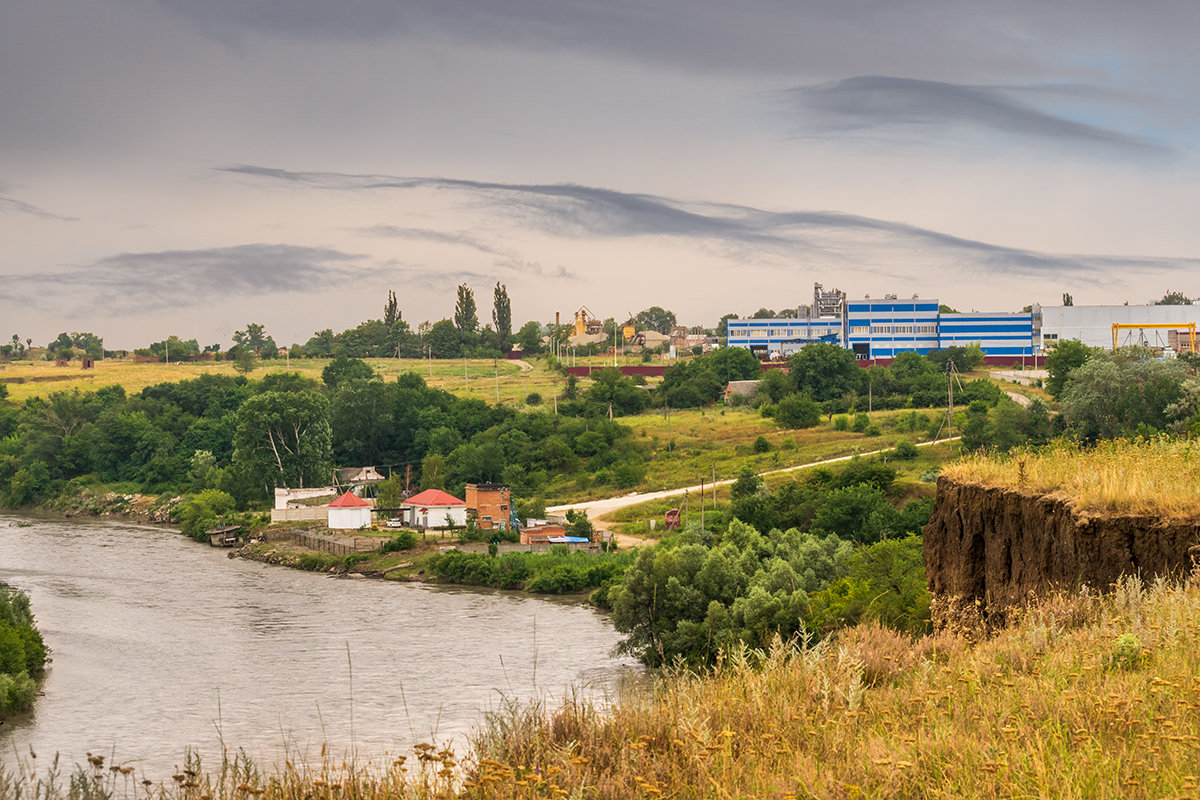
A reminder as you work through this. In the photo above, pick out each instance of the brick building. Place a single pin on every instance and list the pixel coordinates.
(490, 504)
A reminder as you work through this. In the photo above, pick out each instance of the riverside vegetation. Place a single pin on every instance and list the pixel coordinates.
(22, 653)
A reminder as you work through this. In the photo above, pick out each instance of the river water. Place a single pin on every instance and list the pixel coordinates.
(161, 644)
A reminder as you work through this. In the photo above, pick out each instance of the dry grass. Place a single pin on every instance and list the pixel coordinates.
(476, 378)
(1158, 477)
(1081, 697)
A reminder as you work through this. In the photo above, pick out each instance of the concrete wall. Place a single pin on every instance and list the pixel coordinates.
(303, 514)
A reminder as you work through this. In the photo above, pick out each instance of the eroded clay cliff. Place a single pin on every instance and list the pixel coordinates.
(995, 547)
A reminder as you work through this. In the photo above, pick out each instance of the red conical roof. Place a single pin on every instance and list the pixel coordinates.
(349, 500)
(434, 497)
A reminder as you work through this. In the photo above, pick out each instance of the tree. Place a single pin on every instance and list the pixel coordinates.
(1068, 300)
(825, 371)
(797, 411)
(255, 337)
(444, 340)
(284, 439)
(1066, 357)
(464, 310)
(502, 314)
(1173, 298)
(343, 369)
(244, 360)
(655, 318)
(763, 313)
(529, 338)
(723, 324)
(391, 310)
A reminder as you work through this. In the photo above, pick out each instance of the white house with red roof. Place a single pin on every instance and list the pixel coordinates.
(430, 508)
(349, 513)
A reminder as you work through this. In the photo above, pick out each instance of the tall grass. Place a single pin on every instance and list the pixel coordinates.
(1082, 697)
(1159, 476)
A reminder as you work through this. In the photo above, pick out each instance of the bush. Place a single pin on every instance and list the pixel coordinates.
(873, 430)
(404, 540)
(841, 422)
(533, 399)
(861, 421)
(797, 411)
(761, 445)
(906, 451)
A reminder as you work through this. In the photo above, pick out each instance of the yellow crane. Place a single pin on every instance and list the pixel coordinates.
(1190, 327)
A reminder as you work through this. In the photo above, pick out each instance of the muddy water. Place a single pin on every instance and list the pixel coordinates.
(160, 644)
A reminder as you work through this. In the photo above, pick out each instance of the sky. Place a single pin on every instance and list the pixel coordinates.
(188, 166)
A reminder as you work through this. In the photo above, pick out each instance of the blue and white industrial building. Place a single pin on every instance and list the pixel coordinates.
(883, 328)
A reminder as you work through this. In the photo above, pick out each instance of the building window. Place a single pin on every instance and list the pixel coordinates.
(859, 330)
(904, 329)
(880, 329)
(759, 332)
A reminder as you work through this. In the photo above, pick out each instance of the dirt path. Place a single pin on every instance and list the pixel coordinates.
(597, 510)
(1019, 398)
(524, 365)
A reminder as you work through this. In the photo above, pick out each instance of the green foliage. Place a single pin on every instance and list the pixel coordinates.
(343, 369)
(841, 422)
(22, 653)
(825, 371)
(404, 540)
(906, 450)
(204, 511)
(861, 422)
(1066, 357)
(1127, 393)
(761, 445)
(558, 571)
(884, 582)
(1127, 653)
(798, 411)
(465, 318)
(611, 389)
(533, 399)
(655, 318)
(284, 439)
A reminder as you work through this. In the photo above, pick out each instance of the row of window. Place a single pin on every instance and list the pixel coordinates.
(891, 330)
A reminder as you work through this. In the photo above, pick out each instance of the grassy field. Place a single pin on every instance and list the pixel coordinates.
(1160, 477)
(476, 378)
(1081, 697)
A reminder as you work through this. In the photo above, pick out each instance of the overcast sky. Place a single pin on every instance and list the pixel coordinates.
(188, 166)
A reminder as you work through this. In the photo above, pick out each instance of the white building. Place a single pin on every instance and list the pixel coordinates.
(431, 508)
(1093, 325)
(349, 513)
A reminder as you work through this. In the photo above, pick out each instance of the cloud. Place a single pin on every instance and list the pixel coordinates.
(426, 235)
(819, 237)
(10, 204)
(171, 278)
(931, 107)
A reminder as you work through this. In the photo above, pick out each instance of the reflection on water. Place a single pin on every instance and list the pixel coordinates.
(161, 644)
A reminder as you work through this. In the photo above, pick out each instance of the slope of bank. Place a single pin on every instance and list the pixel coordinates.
(1005, 530)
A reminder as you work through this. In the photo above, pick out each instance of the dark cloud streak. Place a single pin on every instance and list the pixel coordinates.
(573, 211)
(878, 102)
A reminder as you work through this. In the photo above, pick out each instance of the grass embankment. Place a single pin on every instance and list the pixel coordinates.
(417, 557)
(1158, 477)
(1083, 697)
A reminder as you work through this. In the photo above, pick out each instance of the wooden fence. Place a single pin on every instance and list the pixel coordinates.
(338, 546)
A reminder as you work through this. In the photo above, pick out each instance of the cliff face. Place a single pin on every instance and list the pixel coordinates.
(994, 547)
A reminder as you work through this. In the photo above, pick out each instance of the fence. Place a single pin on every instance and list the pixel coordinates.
(335, 546)
(301, 514)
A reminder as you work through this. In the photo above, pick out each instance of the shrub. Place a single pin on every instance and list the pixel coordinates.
(841, 422)
(404, 540)
(861, 421)
(761, 445)
(533, 399)
(797, 411)
(906, 450)
(873, 430)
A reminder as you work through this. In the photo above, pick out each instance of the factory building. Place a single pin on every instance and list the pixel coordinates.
(883, 328)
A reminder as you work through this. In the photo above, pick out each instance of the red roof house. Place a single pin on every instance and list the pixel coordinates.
(430, 508)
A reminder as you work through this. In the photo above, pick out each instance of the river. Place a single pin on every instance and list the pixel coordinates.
(161, 644)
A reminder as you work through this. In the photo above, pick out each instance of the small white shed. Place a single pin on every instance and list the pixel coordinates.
(349, 513)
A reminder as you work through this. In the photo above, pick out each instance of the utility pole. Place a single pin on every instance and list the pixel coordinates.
(466, 380)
